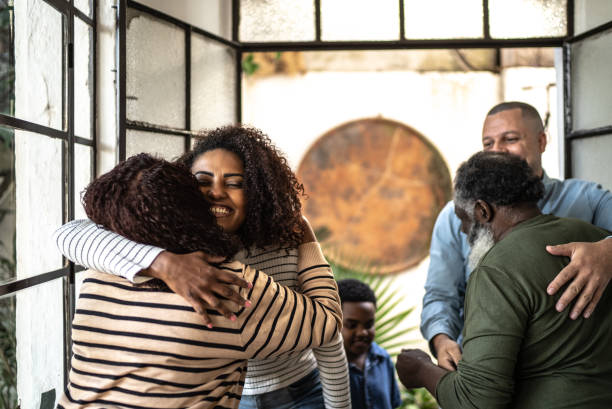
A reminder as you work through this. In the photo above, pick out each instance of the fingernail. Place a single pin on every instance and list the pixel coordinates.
(247, 304)
(250, 285)
(560, 307)
(573, 315)
(587, 314)
(233, 317)
(550, 290)
(209, 325)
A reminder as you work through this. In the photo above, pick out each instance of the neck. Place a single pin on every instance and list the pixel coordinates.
(513, 216)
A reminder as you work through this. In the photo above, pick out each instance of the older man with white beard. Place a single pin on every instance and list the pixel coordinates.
(518, 351)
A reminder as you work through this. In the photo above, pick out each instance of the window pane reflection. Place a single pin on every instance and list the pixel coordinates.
(354, 20)
(588, 155)
(155, 80)
(589, 77)
(168, 147)
(277, 20)
(527, 18)
(438, 19)
(213, 84)
(38, 44)
(83, 79)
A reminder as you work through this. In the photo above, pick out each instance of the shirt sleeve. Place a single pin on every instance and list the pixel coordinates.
(601, 202)
(90, 245)
(493, 335)
(333, 373)
(283, 320)
(445, 284)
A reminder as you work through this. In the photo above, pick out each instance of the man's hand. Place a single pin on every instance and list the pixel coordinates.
(415, 370)
(590, 270)
(447, 351)
(193, 278)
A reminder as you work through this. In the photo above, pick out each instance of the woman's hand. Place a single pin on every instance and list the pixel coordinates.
(192, 277)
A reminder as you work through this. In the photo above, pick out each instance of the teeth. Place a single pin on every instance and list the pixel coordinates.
(219, 211)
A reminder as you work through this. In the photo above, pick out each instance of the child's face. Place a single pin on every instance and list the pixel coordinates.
(357, 327)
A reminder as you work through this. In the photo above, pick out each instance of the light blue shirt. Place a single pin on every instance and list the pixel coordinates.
(448, 270)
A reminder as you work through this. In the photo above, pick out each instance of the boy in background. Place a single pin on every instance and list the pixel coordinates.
(371, 370)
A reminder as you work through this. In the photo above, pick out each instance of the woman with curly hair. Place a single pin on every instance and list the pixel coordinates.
(142, 346)
(252, 192)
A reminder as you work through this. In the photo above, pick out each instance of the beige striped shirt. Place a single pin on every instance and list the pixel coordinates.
(137, 347)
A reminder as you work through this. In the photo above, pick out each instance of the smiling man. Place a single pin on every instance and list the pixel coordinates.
(516, 127)
(519, 352)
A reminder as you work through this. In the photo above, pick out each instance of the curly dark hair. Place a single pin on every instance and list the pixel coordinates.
(498, 178)
(273, 208)
(152, 201)
(351, 290)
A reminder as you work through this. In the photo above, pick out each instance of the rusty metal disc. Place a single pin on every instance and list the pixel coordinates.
(376, 187)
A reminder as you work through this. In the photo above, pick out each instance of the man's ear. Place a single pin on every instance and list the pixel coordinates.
(483, 212)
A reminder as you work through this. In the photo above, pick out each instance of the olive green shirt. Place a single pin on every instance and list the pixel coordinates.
(518, 352)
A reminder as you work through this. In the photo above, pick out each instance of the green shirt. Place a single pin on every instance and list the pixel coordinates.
(518, 352)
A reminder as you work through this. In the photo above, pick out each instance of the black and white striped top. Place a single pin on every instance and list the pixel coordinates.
(144, 347)
(94, 247)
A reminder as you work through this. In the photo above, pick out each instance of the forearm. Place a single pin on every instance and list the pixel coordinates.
(286, 320)
(333, 373)
(94, 247)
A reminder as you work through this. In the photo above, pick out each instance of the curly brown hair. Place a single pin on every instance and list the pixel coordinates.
(150, 200)
(273, 214)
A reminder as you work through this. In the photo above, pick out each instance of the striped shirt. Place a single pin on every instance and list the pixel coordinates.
(87, 244)
(142, 347)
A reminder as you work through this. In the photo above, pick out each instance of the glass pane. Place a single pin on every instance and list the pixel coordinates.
(353, 20)
(168, 147)
(83, 79)
(591, 82)
(591, 159)
(38, 57)
(589, 14)
(40, 344)
(453, 19)
(155, 71)
(277, 20)
(84, 6)
(213, 84)
(527, 18)
(7, 204)
(38, 172)
(83, 163)
(8, 344)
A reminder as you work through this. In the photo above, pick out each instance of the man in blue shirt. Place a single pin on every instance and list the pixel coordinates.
(372, 373)
(517, 128)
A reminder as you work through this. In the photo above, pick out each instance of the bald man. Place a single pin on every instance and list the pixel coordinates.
(517, 128)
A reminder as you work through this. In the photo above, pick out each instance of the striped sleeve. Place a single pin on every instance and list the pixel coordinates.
(90, 245)
(333, 373)
(303, 320)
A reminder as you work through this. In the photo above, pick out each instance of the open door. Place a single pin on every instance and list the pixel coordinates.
(588, 96)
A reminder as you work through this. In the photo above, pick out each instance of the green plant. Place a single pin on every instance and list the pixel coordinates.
(389, 321)
(249, 66)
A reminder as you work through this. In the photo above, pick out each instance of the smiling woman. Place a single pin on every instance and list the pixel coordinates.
(220, 174)
(252, 193)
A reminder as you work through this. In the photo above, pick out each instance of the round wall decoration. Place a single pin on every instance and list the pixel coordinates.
(375, 187)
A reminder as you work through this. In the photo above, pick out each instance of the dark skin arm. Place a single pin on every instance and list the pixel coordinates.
(416, 370)
(193, 277)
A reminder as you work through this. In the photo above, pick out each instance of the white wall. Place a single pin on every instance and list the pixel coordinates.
(214, 16)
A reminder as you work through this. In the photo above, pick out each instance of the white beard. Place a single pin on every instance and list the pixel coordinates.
(481, 241)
